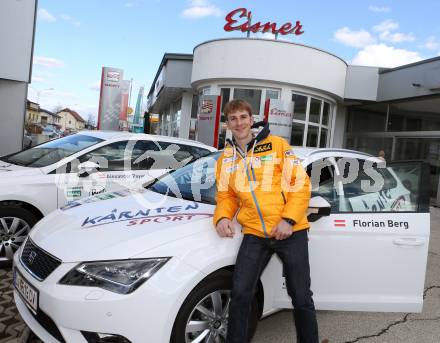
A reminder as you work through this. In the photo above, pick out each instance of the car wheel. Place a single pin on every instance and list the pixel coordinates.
(15, 224)
(203, 316)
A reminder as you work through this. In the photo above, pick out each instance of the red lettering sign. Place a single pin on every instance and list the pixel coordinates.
(240, 20)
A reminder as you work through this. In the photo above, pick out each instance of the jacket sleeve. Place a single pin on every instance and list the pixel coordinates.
(227, 201)
(295, 184)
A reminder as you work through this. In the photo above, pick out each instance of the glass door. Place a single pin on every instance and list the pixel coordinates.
(425, 149)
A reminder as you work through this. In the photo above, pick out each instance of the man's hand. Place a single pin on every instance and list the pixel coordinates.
(225, 228)
(282, 230)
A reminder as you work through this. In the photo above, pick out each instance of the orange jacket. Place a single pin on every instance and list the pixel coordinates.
(265, 184)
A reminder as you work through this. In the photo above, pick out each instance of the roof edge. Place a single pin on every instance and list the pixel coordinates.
(166, 57)
(271, 40)
(433, 59)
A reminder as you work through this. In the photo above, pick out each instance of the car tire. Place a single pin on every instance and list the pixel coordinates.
(15, 224)
(217, 285)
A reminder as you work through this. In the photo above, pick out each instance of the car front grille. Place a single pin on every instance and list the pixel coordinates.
(37, 261)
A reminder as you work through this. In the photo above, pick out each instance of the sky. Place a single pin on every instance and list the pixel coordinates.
(75, 39)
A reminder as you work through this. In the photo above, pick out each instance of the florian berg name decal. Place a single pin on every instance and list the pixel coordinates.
(357, 223)
(155, 215)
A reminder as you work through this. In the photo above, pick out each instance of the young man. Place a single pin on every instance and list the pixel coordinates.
(262, 179)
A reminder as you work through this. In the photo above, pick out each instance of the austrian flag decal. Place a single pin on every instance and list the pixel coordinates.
(339, 222)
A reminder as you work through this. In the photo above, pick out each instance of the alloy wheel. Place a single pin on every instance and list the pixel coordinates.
(208, 322)
(13, 232)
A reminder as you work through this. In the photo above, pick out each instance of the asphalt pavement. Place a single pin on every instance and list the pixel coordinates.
(335, 326)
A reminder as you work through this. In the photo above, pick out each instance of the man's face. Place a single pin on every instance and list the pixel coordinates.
(240, 122)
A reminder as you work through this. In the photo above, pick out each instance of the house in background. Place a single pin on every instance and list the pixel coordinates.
(35, 115)
(71, 121)
(32, 113)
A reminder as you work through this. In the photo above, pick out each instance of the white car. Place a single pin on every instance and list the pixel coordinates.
(149, 266)
(36, 181)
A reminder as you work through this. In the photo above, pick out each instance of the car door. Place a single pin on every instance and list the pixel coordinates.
(112, 173)
(370, 254)
(152, 159)
(123, 164)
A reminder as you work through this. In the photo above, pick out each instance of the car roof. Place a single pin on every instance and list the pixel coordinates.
(107, 135)
(305, 153)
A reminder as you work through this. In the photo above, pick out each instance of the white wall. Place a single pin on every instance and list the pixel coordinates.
(338, 132)
(17, 20)
(185, 115)
(419, 79)
(362, 83)
(269, 60)
(12, 114)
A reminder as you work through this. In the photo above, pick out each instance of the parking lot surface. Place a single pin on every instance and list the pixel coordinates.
(344, 327)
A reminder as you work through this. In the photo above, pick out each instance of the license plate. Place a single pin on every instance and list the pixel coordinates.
(27, 292)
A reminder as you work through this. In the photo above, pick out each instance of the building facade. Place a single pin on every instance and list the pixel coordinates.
(37, 118)
(334, 104)
(71, 121)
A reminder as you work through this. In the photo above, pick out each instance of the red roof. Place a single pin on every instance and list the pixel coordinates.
(74, 114)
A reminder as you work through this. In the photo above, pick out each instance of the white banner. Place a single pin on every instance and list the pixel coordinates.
(280, 118)
(207, 127)
(110, 100)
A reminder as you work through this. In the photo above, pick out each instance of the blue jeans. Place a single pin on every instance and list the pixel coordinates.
(253, 256)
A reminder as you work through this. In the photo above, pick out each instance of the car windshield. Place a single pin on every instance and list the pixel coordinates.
(51, 152)
(195, 181)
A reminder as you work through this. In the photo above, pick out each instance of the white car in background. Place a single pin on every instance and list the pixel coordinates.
(39, 180)
(149, 266)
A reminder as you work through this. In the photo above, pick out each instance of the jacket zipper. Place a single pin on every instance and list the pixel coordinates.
(284, 197)
(255, 199)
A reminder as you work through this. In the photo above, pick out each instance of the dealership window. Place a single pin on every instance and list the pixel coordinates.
(272, 94)
(194, 106)
(252, 96)
(296, 137)
(205, 91)
(193, 120)
(255, 96)
(176, 110)
(300, 109)
(315, 110)
(414, 116)
(166, 122)
(311, 121)
(368, 118)
(312, 136)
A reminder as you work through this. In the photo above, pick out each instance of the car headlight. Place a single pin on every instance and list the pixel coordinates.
(121, 276)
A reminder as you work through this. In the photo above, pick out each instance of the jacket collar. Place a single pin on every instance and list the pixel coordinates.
(264, 132)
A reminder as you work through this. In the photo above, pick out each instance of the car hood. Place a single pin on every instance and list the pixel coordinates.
(120, 227)
(13, 170)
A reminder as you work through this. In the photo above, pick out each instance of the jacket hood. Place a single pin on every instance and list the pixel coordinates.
(121, 227)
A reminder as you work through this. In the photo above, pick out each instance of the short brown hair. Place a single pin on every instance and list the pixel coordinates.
(237, 105)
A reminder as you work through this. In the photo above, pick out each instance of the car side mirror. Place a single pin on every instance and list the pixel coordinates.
(318, 207)
(87, 168)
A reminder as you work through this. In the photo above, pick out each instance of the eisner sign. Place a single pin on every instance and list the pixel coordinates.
(240, 20)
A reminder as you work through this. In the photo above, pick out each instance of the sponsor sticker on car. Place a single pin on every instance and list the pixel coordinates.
(74, 192)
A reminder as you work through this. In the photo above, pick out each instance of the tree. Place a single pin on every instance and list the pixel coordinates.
(91, 122)
(57, 108)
